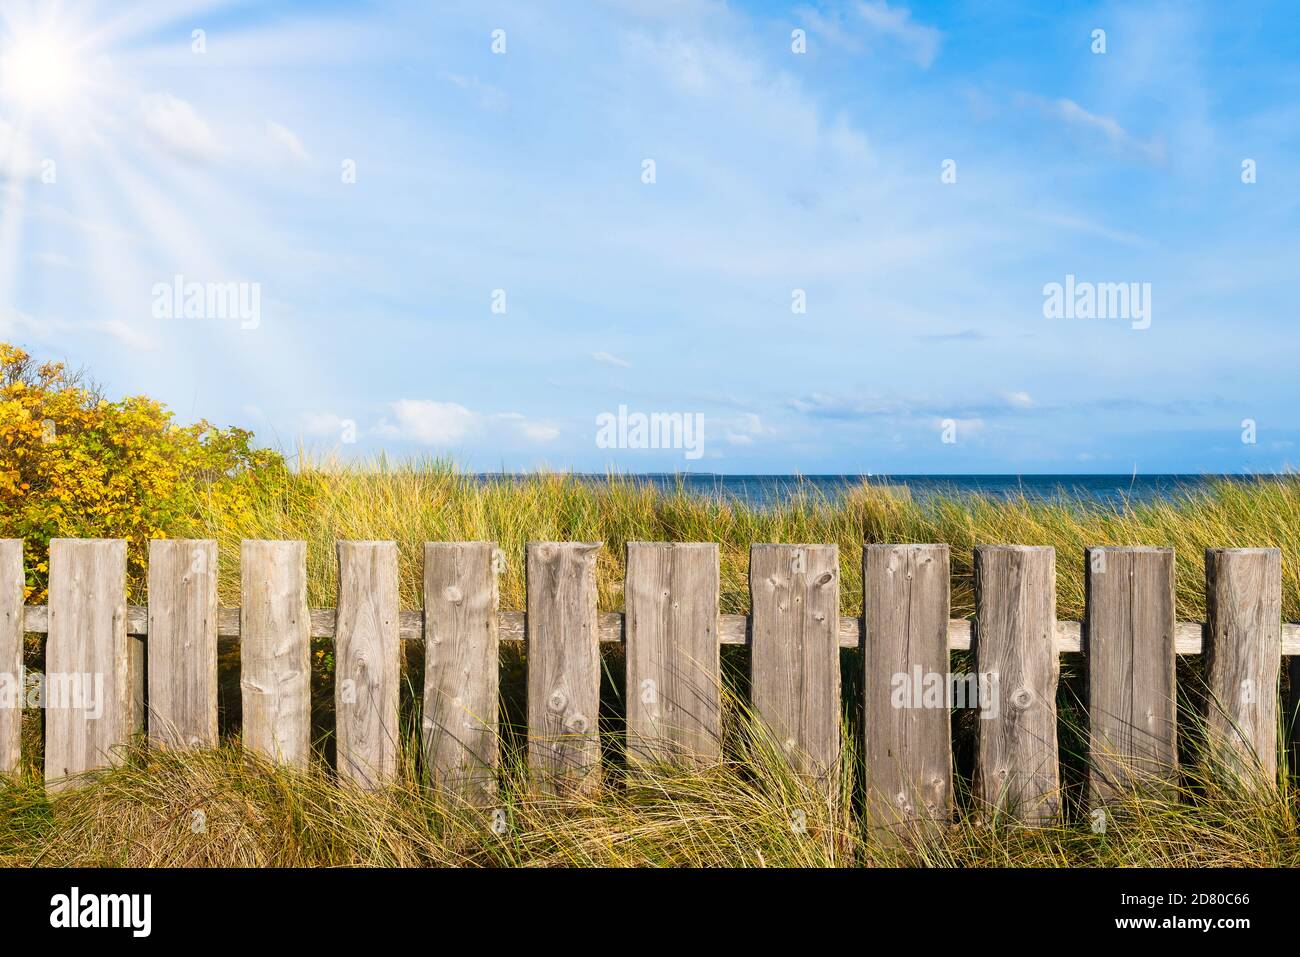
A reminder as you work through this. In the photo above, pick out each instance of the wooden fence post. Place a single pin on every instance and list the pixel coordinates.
(907, 687)
(1243, 656)
(183, 643)
(1128, 635)
(795, 682)
(13, 693)
(88, 679)
(1015, 651)
(674, 691)
(275, 650)
(461, 668)
(367, 666)
(563, 666)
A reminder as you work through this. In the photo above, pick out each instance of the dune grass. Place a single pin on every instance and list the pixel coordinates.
(417, 501)
(224, 807)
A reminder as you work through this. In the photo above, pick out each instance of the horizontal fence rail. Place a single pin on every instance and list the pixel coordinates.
(732, 629)
(99, 651)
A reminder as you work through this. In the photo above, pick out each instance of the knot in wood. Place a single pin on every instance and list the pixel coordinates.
(1022, 698)
(557, 702)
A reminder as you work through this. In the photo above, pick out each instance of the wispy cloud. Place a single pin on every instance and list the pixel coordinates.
(177, 127)
(872, 25)
(896, 23)
(963, 335)
(1104, 129)
(611, 360)
(448, 424)
(20, 325)
(489, 97)
(287, 140)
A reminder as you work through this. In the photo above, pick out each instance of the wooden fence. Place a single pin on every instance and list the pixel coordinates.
(98, 650)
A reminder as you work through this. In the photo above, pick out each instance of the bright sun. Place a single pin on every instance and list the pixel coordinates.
(39, 71)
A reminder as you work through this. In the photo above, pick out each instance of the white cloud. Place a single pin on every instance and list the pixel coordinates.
(288, 140)
(1106, 128)
(177, 127)
(490, 97)
(1021, 400)
(673, 10)
(323, 423)
(611, 360)
(873, 20)
(447, 423)
(429, 422)
(896, 23)
(119, 330)
(539, 431)
(744, 429)
(13, 323)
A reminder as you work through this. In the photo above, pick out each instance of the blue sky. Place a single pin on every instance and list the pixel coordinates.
(129, 157)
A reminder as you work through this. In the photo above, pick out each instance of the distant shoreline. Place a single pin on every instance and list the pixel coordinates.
(769, 489)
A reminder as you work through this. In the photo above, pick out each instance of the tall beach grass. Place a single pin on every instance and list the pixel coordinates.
(222, 806)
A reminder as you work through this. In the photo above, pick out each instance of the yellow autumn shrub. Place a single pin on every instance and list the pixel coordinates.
(74, 464)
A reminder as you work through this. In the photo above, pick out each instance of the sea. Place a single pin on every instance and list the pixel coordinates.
(1106, 490)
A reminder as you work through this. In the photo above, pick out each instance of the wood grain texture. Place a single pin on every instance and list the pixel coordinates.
(183, 643)
(275, 650)
(12, 691)
(1129, 629)
(367, 663)
(461, 668)
(795, 662)
(908, 735)
(1014, 644)
(674, 691)
(1243, 656)
(88, 689)
(563, 666)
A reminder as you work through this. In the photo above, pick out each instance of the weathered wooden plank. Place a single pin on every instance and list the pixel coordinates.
(87, 693)
(1243, 656)
(461, 668)
(907, 687)
(367, 665)
(795, 661)
(12, 691)
(1015, 652)
(674, 691)
(1129, 631)
(275, 650)
(563, 666)
(183, 642)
